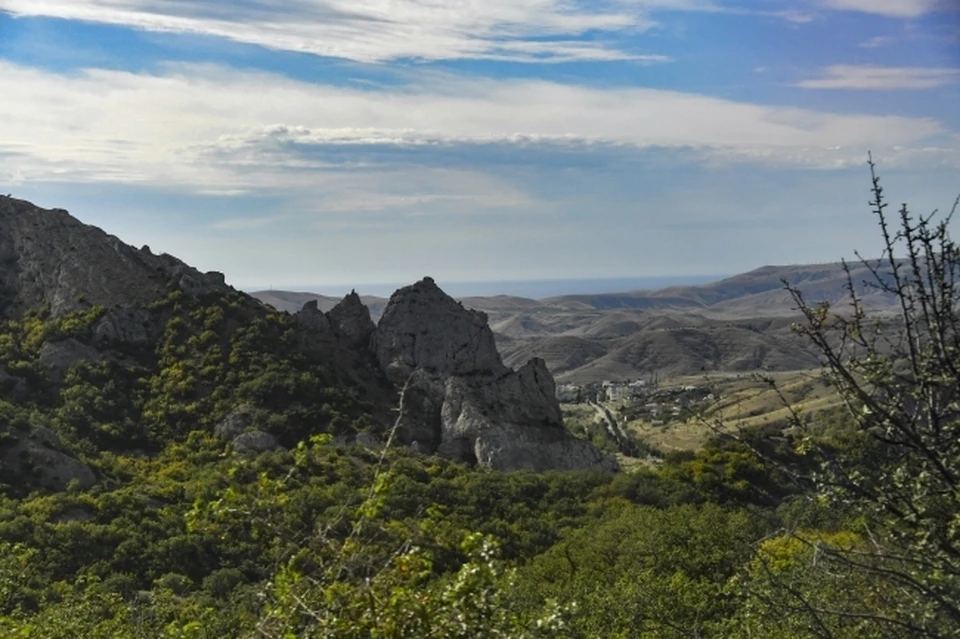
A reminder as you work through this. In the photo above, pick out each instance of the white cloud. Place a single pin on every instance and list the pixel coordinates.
(214, 130)
(881, 78)
(377, 30)
(877, 42)
(890, 8)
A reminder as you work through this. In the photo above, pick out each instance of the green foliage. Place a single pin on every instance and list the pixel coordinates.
(846, 528)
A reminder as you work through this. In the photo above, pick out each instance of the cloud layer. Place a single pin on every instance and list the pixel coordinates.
(214, 129)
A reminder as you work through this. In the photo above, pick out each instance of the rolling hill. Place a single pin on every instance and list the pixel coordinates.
(738, 324)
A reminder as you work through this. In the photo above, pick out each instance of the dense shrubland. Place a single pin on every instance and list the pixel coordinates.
(848, 526)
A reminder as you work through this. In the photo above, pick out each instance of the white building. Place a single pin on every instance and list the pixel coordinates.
(568, 392)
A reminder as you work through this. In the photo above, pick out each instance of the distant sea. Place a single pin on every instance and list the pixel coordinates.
(535, 289)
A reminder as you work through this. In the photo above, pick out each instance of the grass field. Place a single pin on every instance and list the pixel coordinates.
(740, 401)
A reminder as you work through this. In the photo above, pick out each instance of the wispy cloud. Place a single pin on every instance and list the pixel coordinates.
(378, 30)
(877, 42)
(881, 78)
(890, 8)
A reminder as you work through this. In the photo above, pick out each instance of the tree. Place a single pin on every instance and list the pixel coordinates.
(895, 469)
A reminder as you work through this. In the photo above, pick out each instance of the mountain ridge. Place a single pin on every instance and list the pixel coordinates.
(738, 324)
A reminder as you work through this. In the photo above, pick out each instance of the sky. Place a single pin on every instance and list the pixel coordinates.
(317, 144)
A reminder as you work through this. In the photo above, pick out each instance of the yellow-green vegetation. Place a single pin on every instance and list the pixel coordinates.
(770, 399)
(735, 402)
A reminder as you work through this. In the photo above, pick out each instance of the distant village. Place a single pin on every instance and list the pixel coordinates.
(639, 399)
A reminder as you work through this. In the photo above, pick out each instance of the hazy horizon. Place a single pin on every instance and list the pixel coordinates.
(534, 289)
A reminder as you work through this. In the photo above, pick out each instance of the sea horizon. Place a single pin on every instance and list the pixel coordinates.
(533, 289)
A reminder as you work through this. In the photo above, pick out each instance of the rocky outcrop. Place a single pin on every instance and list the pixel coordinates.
(237, 430)
(460, 401)
(34, 457)
(351, 319)
(59, 357)
(424, 328)
(50, 259)
(127, 327)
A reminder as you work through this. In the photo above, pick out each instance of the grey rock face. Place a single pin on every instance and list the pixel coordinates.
(58, 357)
(460, 401)
(351, 319)
(130, 326)
(34, 457)
(48, 258)
(423, 327)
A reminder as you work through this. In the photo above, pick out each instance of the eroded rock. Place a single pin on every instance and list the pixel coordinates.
(126, 326)
(50, 259)
(423, 327)
(351, 319)
(460, 401)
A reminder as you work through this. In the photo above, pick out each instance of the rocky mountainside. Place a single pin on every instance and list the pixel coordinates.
(107, 347)
(49, 259)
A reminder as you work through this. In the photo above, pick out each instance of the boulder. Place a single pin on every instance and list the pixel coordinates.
(35, 458)
(254, 441)
(236, 422)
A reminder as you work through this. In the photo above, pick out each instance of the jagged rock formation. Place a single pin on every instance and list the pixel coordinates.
(351, 320)
(459, 399)
(50, 259)
(423, 327)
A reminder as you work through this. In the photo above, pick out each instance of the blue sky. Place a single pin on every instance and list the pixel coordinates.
(313, 144)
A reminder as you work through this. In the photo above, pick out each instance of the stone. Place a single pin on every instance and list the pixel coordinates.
(351, 319)
(459, 400)
(423, 327)
(368, 441)
(311, 319)
(126, 326)
(35, 459)
(236, 422)
(59, 357)
(254, 441)
(50, 259)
